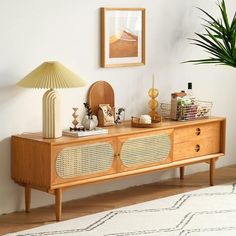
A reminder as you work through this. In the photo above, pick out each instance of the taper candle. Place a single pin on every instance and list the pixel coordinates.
(153, 80)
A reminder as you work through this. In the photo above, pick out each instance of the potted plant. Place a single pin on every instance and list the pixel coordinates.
(219, 38)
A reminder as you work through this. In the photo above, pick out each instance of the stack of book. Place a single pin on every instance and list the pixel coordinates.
(95, 131)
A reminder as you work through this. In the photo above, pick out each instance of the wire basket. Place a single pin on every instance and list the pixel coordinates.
(165, 110)
(197, 110)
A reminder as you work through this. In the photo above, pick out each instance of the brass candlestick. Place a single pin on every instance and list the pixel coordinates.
(153, 103)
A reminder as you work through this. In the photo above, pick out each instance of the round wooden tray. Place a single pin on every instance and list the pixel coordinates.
(135, 123)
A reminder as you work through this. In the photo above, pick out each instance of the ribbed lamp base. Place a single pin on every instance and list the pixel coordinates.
(51, 115)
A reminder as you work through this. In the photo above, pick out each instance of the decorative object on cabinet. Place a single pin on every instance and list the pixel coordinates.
(89, 121)
(53, 167)
(185, 113)
(88, 110)
(135, 122)
(218, 39)
(75, 115)
(122, 37)
(106, 115)
(165, 110)
(175, 97)
(119, 113)
(81, 128)
(84, 132)
(145, 119)
(182, 109)
(101, 92)
(153, 103)
(51, 75)
(196, 110)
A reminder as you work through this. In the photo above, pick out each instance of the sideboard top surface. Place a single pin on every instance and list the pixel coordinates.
(122, 129)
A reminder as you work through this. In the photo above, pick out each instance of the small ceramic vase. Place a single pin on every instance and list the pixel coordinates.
(90, 123)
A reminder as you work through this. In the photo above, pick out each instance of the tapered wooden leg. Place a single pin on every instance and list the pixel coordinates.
(212, 171)
(27, 199)
(181, 172)
(58, 203)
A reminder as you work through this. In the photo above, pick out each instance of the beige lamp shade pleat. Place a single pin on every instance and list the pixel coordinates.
(51, 75)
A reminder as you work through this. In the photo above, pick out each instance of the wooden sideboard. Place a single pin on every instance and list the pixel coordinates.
(53, 165)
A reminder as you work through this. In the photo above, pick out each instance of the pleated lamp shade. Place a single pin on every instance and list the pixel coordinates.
(51, 75)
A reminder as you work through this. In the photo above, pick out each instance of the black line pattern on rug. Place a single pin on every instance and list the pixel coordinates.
(187, 232)
(180, 226)
(112, 214)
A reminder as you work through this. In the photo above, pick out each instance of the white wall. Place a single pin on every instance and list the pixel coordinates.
(33, 31)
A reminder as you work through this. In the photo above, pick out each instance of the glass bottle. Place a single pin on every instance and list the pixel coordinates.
(190, 92)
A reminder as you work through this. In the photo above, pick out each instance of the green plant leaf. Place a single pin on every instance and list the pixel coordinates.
(218, 40)
(224, 14)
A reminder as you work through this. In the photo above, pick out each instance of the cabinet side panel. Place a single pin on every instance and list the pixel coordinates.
(30, 162)
(223, 136)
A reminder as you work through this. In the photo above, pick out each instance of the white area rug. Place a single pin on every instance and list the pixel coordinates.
(208, 211)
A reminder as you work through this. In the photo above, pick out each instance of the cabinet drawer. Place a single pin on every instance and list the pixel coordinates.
(196, 140)
(196, 148)
(197, 132)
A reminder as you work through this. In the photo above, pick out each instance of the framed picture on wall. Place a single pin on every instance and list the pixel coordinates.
(122, 37)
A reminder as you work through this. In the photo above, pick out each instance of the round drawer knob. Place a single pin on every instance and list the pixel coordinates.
(197, 148)
(198, 131)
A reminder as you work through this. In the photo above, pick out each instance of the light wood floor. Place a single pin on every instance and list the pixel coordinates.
(45, 215)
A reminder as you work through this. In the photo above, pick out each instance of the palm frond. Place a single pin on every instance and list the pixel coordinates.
(219, 38)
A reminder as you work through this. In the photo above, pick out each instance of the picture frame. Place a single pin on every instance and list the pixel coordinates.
(122, 37)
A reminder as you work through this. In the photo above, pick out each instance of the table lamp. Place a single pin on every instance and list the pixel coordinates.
(51, 75)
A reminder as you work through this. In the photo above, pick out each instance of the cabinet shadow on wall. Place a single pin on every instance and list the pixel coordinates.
(8, 188)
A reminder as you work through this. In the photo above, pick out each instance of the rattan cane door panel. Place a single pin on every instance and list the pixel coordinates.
(146, 150)
(84, 161)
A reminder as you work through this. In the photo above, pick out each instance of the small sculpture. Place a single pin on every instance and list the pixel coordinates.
(89, 121)
(75, 115)
(153, 103)
(118, 115)
(75, 122)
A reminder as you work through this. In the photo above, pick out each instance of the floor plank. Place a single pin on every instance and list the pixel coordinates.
(20, 220)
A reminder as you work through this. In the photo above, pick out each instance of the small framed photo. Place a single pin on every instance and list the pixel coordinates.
(122, 37)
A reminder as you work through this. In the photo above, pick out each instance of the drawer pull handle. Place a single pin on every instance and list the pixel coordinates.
(197, 148)
(198, 131)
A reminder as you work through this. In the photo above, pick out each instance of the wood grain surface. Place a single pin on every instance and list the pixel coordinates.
(100, 92)
(34, 159)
